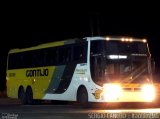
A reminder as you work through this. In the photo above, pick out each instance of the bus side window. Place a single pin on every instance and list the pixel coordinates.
(39, 58)
(51, 56)
(80, 53)
(64, 55)
(28, 58)
(35, 60)
(14, 61)
(76, 53)
(67, 55)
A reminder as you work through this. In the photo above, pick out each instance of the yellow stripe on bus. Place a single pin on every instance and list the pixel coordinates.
(41, 46)
(28, 77)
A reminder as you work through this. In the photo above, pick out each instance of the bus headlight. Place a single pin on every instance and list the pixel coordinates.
(148, 91)
(111, 91)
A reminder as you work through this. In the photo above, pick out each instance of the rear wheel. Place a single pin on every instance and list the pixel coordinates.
(29, 96)
(22, 96)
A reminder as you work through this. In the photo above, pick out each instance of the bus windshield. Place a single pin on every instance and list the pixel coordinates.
(115, 61)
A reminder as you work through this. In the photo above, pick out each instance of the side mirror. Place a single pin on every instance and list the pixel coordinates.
(153, 65)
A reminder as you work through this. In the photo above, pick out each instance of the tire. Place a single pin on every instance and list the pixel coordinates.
(22, 96)
(37, 102)
(29, 96)
(82, 96)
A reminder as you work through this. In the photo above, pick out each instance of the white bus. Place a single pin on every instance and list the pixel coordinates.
(91, 69)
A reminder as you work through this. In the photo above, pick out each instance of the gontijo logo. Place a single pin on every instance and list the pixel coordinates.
(37, 72)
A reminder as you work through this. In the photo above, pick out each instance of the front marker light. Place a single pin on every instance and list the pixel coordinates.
(111, 91)
(148, 91)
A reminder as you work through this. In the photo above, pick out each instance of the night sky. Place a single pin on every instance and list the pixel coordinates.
(25, 27)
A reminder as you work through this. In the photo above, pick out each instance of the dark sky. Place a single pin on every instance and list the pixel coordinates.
(28, 26)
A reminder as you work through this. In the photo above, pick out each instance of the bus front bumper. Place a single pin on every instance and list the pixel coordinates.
(129, 97)
(114, 93)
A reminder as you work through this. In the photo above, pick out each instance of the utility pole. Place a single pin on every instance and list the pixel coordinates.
(94, 22)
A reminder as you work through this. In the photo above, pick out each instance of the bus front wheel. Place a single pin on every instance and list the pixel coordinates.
(82, 96)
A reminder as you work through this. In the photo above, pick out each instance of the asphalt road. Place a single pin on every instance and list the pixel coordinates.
(11, 109)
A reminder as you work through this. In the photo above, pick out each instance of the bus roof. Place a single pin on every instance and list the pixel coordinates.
(46, 45)
(118, 38)
(75, 40)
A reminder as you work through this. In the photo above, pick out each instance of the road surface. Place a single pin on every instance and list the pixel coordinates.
(11, 109)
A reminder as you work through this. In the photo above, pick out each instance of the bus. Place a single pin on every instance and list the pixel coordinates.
(90, 69)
